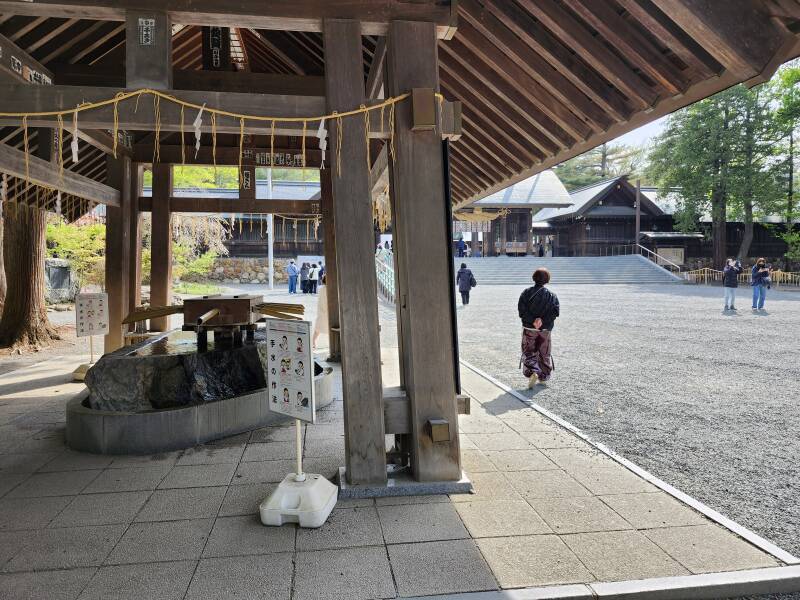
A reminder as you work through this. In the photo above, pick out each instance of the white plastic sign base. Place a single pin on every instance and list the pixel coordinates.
(307, 502)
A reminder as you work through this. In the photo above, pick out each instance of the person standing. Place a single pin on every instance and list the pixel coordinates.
(760, 280)
(292, 272)
(321, 322)
(304, 278)
(461, 245)
(465, 281)
(538, 309)
(313, 278)
(730, 281)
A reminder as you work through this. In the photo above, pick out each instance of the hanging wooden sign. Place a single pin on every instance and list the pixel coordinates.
(147, 31)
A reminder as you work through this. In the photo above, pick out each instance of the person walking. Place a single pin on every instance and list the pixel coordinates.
(304, 278)
(292, 272)
(461, 245)
(465, 281)
(760, 280)
(730, 281)
(538, 309)
(313, 278)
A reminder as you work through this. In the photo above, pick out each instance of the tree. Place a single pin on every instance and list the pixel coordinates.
(603, 162)
(24, 321)
(694, 154)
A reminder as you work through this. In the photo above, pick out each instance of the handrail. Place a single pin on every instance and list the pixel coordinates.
(706, 275)
(385, 278)
(622, 250)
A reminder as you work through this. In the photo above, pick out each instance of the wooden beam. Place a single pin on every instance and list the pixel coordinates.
(297, 15)
(734, 32)
(352, 204)
(541, 41)
(379, 173)
(103, 141)
(23, 98)
(636, 47)
(421, 245)
(18, 65)
(376, 70)
(225, 155)
(182, 79)
(662, 27)
(41, 172)
(185, 204)
(591, 49)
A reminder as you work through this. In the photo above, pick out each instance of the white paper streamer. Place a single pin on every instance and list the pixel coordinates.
(58, 203)
(322, 135)
(74, 143)
(198, 122)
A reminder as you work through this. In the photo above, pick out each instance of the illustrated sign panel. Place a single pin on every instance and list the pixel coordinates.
(91, 314)
(290, 369)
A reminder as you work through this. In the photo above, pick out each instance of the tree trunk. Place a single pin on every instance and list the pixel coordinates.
(747, 239)
(2, 267)
(718, 227)
(24, 321)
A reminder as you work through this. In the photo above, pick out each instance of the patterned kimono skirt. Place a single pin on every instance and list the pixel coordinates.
(536, 354)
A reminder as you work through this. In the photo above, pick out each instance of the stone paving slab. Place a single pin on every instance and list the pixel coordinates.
(548, 510)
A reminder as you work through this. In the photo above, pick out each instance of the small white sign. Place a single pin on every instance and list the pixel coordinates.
(91, 314)
(147, 32)
(290, 369)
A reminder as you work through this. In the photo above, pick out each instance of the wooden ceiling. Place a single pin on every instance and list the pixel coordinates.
(540, 80)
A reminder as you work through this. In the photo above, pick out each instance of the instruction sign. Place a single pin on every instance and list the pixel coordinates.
(290, 369)
(91, 314)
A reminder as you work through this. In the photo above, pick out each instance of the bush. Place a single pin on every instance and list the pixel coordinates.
(83, 246)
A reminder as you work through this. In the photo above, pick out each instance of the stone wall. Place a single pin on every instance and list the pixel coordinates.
(242, 269)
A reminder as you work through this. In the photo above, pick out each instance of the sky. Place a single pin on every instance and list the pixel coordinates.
(642, 135)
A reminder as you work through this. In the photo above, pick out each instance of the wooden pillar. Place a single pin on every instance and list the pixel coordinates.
(148, 49)
(118, 248)
(331, 274)
(362, 388)
(135, 239)
(161, 244)
(488, 239)
(638, 211)
(421, 244)
(503, 234)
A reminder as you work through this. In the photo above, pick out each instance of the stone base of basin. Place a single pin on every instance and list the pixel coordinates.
(154, 431)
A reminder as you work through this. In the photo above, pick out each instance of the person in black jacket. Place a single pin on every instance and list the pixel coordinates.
(538, 308)
(466, 281)
(730, 281)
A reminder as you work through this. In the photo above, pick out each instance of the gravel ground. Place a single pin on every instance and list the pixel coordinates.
(706, 401)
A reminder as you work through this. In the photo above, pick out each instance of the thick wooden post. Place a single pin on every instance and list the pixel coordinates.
(161, 244)
(118, 248)
(148, 49)
(638, 211)
(355, 259)
(135, 239)
(490, 238)
(331, 274)
(421, 245)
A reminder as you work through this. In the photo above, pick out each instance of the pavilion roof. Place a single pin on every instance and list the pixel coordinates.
(540, 81)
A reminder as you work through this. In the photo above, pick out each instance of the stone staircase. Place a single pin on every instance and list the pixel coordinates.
(504, 270)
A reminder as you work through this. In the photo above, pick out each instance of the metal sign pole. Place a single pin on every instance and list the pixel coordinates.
(299, 475)
(270, 234)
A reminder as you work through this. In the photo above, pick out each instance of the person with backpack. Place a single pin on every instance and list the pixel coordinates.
(538, 309)
(761, 281)
(304, 278)
(313, 278)
(730, 281)
(465, 281)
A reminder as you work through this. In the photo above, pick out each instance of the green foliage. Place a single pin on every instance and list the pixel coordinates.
(792, 239)
(196, 289)
(83, 246)
(604, 162)
(146, 263)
